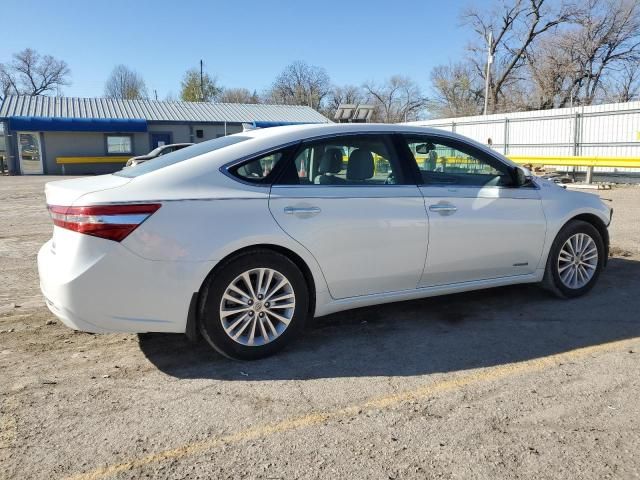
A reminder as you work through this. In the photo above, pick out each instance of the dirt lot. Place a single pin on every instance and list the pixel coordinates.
(507, 383)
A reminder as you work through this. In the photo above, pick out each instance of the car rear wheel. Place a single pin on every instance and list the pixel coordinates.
(254, 305)
(575, 260)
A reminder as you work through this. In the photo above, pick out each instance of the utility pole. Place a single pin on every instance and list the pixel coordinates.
(488, 74)
(201, 83)
(155, 94)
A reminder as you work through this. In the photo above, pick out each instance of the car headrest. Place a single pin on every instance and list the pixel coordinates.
(360, 166)
(331, 161)
(254, 168)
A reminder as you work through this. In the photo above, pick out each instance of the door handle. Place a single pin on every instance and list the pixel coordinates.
(307, 211)
(443, 208)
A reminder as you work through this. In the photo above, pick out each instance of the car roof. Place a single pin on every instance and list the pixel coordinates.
(330, 128)
(287, 133)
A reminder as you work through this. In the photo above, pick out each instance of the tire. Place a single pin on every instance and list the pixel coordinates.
(562, 276)
(253, 317)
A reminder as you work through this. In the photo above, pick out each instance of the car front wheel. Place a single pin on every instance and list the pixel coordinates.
(254, 305)
(575, 260)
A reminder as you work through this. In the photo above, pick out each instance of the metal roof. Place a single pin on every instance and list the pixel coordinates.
(155, 111)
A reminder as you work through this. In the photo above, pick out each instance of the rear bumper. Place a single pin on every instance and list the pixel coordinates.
(105, 288)
(70, 319)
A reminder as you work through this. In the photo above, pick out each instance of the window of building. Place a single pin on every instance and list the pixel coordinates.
(119, 144)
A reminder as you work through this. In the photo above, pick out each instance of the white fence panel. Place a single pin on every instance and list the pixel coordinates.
(615, 128)
(482, 132)
(611, 130)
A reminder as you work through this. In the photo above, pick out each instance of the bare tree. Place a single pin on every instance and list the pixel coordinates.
(30, 73)
(626, 85)
(7, 82)
(607, 40)
(238, 95)
(548, 70)
(300, 84)
(515, 25)
(350, 94)
(591, 58)
(399, 99)
(125, 84)
(458, 91)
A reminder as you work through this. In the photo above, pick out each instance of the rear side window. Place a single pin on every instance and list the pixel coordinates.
(180, 155)
(258, 170)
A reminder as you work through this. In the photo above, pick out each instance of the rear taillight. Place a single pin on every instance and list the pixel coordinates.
(113, 222)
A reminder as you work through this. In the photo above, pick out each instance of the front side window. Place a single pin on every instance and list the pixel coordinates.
(444, 162)
(344, 160)
(119, 144)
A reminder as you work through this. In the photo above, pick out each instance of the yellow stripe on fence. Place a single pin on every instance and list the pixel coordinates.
(623, 162)
(112, 159)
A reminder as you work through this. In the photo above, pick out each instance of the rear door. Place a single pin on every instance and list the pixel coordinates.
(481, 226)
(346, 200)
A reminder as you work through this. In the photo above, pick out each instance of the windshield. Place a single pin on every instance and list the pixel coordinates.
(180, 156)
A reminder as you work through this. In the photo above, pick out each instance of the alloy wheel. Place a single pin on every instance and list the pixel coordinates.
(257, 307)
(577, 261)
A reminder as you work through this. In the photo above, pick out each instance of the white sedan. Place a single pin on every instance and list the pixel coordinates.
(244, 237)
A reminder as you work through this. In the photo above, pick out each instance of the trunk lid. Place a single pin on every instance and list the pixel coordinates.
(68, 192)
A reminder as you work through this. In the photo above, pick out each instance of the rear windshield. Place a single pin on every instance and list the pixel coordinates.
(180, 155)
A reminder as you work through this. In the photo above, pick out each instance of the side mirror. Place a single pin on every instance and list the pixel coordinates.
(520, 176)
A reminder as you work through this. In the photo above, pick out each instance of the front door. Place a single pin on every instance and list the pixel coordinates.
(29, 153)
(160, 139)
(346, 202)
(480, 226)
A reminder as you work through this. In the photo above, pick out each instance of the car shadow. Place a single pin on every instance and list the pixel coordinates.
(441, 334)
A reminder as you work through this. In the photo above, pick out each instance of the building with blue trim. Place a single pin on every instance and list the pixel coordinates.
(74, 136)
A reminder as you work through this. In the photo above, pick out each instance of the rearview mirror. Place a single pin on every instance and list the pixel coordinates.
(424, 148)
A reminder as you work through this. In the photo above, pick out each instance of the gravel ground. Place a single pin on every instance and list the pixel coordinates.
(503, 383)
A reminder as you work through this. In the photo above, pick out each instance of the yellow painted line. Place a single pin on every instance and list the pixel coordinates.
(624, 162)
(109, 159)
(316, 418)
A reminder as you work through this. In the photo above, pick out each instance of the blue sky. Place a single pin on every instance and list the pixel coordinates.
(245, 43)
